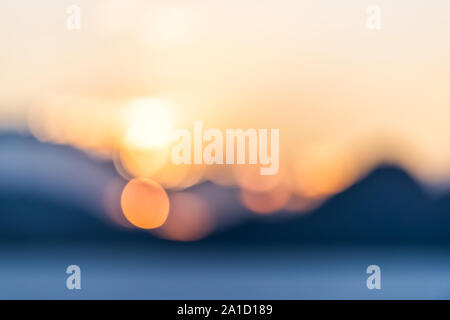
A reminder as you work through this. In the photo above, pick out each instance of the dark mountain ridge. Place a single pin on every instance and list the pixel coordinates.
(386, 206)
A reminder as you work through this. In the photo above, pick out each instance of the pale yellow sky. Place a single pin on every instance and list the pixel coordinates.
(311, 68)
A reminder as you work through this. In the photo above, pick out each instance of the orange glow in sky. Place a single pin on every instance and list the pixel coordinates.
(342, 96)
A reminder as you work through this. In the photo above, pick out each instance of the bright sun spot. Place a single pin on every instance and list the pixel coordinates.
(149, 124)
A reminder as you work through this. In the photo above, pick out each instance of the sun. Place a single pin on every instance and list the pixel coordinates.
(149, 124)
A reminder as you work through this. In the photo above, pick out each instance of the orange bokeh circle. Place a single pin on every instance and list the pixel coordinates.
(145, 203)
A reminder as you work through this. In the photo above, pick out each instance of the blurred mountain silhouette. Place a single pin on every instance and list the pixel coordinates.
(386, 206)
(29, 217)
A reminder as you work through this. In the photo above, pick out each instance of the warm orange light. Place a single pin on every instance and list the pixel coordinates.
(178, 177)
(265, 202)
(322, 171)
(249, 178)
(190, 218)
(143, 163)
(145, 203)
(89, 123)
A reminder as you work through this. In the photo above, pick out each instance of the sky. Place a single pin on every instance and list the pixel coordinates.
(342, 95)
